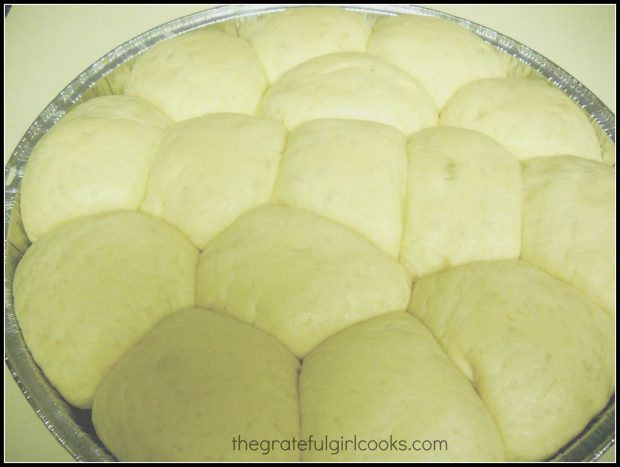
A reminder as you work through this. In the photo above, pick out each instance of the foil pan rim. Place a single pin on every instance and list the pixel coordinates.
(590, 445)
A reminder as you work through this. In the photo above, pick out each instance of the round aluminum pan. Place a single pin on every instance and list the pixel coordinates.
(73, 427)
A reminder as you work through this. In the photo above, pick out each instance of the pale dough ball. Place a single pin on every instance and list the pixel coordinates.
(438, 52)
(89, 290)
(298, 276)
(96, 159)
(569, 223)
(463, 201)
(205, 71)
(529, 118)
(540, 354)
(211, 169)
(121, 107)
(349, 85)
(284, 40)
(194, 383)
(387, 378)
(350, 171)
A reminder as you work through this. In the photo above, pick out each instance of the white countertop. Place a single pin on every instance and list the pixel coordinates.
(47, 46)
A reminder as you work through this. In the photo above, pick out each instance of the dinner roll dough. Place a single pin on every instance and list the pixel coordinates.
(96, 159)
(352, 172)
(438, 52)
(463, 201)
(204, 71)
(211, 169)
(388, 379)
(284, 40)
(540, 354)
(298, 276)
(87, 291)
(569, 223)
(115, 107)
(194, 383)
(349, 85)
(529, 118)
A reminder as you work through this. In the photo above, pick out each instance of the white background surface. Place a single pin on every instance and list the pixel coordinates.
(47, 46)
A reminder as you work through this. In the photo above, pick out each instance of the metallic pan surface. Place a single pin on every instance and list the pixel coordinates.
(72, 427)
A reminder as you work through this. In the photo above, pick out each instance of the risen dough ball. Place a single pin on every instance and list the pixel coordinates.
(540, 354)
(298, 276)
(200, 72)
(349, 85)
(284, 40)
(438, 52)
(89, 290)
(96, 159)
(569, 223)
(352, 172)
(115, 107)
(211, 169)
(194, 383)
(463, 201)
(387, 378)
(529, 118)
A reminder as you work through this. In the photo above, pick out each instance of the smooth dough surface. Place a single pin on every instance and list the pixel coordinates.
(463, 201)
(96, 159)
(351, 85)
(350, 171)
(194, 383)
(205, 71)
(389, 378)
(120, 107)
(440, 54)
(569, 223)
(540, 354)
(298, 276)
(211, 169)
(89, 290)
(284, 40)
(529, 118)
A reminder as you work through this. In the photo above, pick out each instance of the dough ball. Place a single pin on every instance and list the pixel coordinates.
(350, 171)
(529, 118)
(298, 276)
(540, 354)
(96, 159)
(194, 383)
(349, 85)
(115, 107)
(87, 291)
(211, 169)
(284, 40)
(388, 379)
(569, 223)
(440, 54)
(204, 71)
(463, 201)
